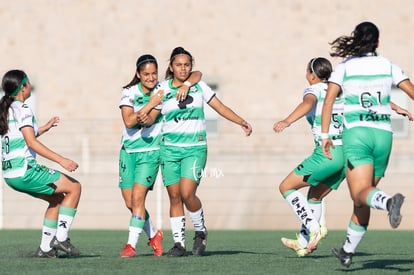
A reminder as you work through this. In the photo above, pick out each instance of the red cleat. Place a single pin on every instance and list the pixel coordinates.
(156, 243)
(128, 251)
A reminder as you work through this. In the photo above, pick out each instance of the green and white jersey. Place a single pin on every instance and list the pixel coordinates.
(139, 138)
(314, 117)
(15, 152)
(183, 121)
(366, 83)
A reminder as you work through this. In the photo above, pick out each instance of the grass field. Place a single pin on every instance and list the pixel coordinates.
(228, 252)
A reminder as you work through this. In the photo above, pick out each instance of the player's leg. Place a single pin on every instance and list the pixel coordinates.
(49, 227)
(67, 210)
(192, 167)
(177, 221)
(289, 190)
(196, 213)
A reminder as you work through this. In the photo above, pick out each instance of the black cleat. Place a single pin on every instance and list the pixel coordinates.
(65, 246)
(177, 251)
(344, 258)
(50, 254)
(200, 243)
(394, 213)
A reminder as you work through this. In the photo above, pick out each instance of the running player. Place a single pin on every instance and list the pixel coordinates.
(316, 171)
(21, 171)
(365, 78)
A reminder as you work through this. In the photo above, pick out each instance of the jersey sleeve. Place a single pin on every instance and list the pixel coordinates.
(208, 93)
(126, 98)
(398, 75)
(24, 116)
(337, 75)
(311, 90)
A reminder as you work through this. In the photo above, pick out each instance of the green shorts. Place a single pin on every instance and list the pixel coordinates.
(364, 145)
(38, 180)
(186, 162)
(140, 167)
(317, 168)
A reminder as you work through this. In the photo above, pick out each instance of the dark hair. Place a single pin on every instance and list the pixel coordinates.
(174, 53)
(141, 61)
(11, 81)
(320, 66)
(363, 40)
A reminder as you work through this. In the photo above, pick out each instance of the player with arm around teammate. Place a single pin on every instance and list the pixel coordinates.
(184, 148)
(139, 154)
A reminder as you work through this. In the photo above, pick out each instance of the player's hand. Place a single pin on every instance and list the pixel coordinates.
(247, 128)
(404, 112)
(69, 164)
(182, 92)
(326, 147)
(280, 126)
(156, 98)
(143, 118)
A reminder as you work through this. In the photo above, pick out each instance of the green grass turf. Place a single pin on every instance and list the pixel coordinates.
(228, 252)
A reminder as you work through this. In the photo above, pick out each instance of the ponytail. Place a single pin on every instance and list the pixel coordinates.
(11, 84)
(5, 103)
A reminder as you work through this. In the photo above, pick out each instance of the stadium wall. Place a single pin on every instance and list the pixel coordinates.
(78, 54)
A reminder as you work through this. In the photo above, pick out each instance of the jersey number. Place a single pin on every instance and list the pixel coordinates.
(6, 145)
(367, 99)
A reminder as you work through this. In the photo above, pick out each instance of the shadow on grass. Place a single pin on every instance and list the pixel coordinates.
(66, 256)
(231, 252)
(388, 265)
(61, 256)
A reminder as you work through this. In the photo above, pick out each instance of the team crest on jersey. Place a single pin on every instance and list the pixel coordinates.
(51, 171)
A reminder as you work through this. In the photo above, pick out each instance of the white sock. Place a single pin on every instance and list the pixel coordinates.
(48, 233)
(198, 220)
(377, 199)
(316, 208)
(149, 228)
(65, 219)
(136, 224)
(302, 210)
(303, 236)
(354, 235)
(178, 229)
(133, 236)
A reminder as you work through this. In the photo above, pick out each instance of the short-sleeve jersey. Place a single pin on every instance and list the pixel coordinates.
(139, 138)
(15, 152)
(314, 117)
(183, 121)
(366, 83)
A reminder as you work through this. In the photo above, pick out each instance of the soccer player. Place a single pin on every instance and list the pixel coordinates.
(21, 171)
(184, 147)
(139, 154)
(365, 78)
(317, 172)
